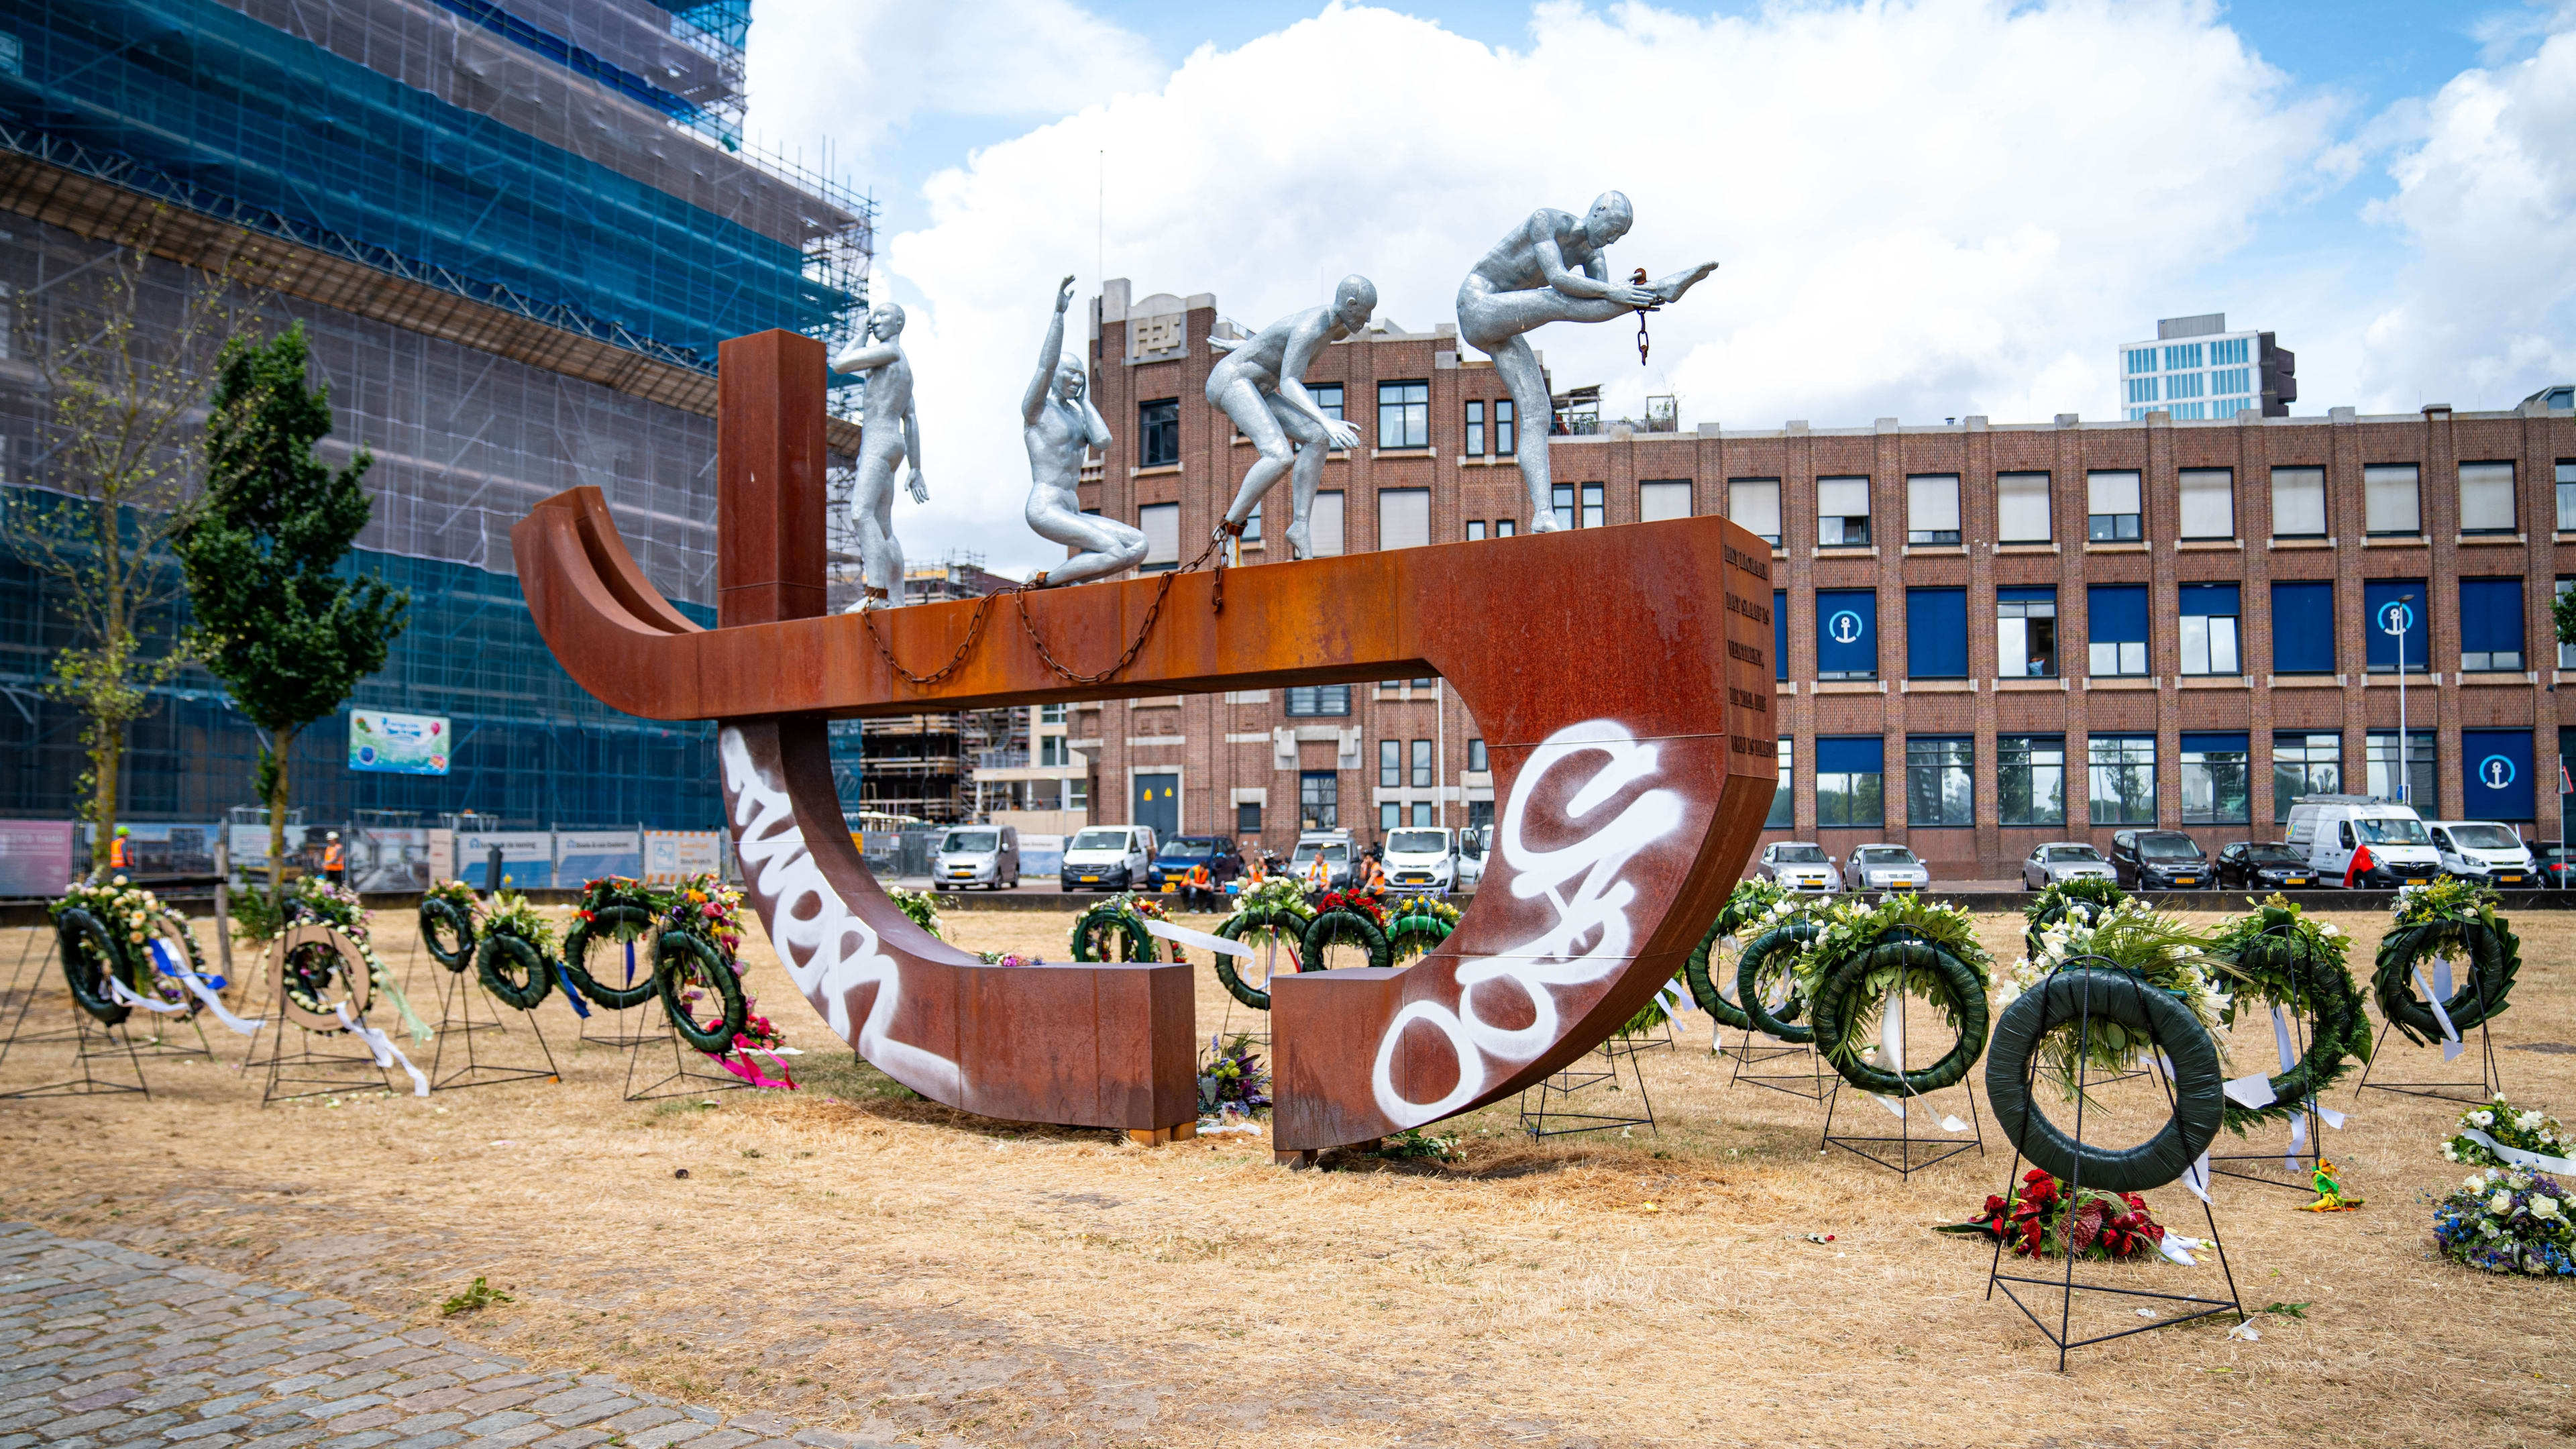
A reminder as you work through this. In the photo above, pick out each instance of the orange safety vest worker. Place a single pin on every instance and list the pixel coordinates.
(335, 857)
(116, 853)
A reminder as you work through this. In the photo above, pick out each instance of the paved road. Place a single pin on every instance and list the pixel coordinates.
(101, 1346)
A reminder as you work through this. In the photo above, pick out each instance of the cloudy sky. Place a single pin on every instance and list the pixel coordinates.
(1922, 208)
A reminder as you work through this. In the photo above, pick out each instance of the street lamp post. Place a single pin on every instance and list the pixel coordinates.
(2402, 616)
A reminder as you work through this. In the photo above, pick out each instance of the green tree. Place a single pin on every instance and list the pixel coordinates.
(276, 620)
(2564, 611)
(121, 353)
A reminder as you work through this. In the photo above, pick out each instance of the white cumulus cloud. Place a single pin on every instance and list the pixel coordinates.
(1922, 207)
(2486, 196)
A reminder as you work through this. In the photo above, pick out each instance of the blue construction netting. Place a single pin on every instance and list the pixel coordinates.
(532, 747)
(195, 103)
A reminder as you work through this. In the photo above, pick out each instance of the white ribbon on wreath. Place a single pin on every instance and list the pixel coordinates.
(166, 957)
(386, 1053)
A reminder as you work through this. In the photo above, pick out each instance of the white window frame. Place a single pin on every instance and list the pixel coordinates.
(2208, 503)
(2299, 497)
(2392, 500)
(2114, 494)
(1836, 498)
(1754, 503)
(1662, 498)
(1161, 525)
(1326, 531)
(1932, 509)
(2486, 499)
(1403, 517)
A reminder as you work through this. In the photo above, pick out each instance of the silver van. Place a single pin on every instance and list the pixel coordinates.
(977, 855)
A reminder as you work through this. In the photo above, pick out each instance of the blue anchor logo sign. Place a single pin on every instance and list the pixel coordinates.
(2495, 772)
(2395, 617)
(1844, 627)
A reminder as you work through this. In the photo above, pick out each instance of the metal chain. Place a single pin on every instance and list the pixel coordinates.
(1019, 599)
(974, 631)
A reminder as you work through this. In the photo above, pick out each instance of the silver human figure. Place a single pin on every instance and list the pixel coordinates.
(889, 434)
(1551, 269)
(1059, 424)
(1260, 383)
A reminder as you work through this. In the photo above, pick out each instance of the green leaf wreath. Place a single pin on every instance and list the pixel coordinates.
(128, 917)
(2440, 920)
(1867, 950)
(2132, 937)
(2275, 955)
(2053, 904)
(1711, 963)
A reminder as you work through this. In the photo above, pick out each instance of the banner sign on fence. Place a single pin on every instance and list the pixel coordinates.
(671, 855)
(399, 744)
(35, 857)
(587, 855)
(390, 859)
(527, 857)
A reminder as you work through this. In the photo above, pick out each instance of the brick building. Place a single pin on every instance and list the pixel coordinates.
(1988, 635)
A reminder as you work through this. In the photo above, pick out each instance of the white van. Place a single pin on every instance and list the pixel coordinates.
(1107, 858)
(2485, 852)
(977, 855)
(1421, 858)
(1471, 858)
(2328, 828)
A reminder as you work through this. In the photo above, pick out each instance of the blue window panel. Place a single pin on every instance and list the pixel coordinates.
(1780, 633)
(2303, 628)
(2201, 744)
(1857, 755)
(2025, 596)
(2378, 599)
(2499, 784)
(1936, 633)
(2116, 614)
(2209, 600)
(2142, 359)
(2490, 616)
(1847, 633)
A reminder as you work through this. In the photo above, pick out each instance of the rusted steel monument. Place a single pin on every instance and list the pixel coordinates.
(1622, 677)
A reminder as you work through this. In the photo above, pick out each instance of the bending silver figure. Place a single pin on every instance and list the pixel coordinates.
(1551, 269)
(889, 434)
(1059, 424)
(1260, 383)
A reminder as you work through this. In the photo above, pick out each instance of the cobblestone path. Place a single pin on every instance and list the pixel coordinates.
(105, 1348)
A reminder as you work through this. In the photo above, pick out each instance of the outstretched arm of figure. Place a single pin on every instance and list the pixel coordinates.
(1303, 343)
(1048, 357)
(863, 356)
(1592, 282)
(912, 449)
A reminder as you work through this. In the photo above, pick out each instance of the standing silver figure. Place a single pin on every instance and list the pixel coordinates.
(1551, 269)
(889, 435)
(1260, 383)
(1059, 424)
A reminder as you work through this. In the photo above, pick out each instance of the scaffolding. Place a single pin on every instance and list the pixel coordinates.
(571, 167)
(918, 765)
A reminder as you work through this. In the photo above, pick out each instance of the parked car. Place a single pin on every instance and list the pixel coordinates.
(1333, 847)
(2485, 852)
(977, 855)
(1886, 868)
(1800, 865)
(2263, 865)
(2159, 860)
(1421, 858)
(2063, 860)
(1184, 853)
(2556, 863)
(1107, 857)
(2327, 829)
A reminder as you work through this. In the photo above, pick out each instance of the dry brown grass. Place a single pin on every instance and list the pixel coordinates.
(859, 1258)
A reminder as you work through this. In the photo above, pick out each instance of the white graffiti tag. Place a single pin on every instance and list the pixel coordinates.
(826, 948)
(1597, 907)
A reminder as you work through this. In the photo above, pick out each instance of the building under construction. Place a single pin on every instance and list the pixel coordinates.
(924, 766)
(514, 233)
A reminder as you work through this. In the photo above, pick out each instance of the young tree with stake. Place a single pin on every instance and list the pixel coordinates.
(276, 622)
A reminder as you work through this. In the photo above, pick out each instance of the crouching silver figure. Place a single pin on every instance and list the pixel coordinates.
(1059, 424)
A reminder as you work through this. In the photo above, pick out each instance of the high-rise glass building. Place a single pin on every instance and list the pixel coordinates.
(2196, 369)
(514, 233)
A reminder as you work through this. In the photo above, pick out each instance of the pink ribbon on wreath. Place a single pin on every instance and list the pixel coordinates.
(752, 1074)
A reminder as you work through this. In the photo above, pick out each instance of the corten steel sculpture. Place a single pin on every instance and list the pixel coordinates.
(1622, 677)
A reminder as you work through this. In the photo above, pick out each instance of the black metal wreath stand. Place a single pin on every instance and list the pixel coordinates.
(457, 1024)
(97, 1048)
(689, 1075)
(2490, 1078)
(1898, 1153)
(615, 1032)
(2064, 1286)
(306, 1072)
(2291, 1160)
(1549, 1119)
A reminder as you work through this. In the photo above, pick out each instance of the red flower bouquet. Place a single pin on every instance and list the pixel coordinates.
(2045, 1219)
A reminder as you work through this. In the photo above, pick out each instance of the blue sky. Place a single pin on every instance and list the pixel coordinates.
(1922, 208)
